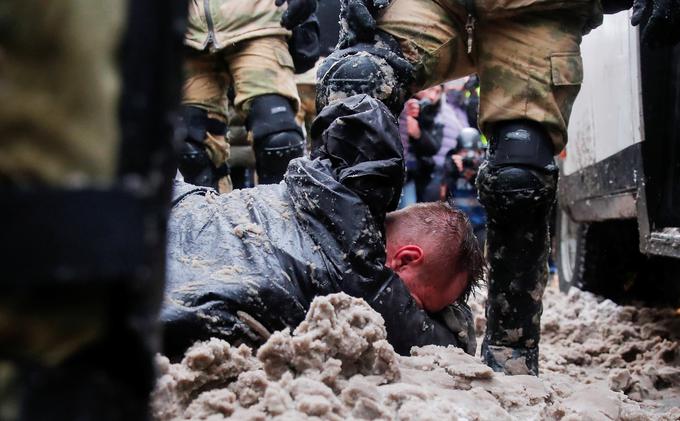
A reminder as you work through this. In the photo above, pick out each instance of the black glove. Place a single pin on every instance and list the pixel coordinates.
(357, 18)
(662, 27)
(304, 45)
(298, 11)
(458, 318)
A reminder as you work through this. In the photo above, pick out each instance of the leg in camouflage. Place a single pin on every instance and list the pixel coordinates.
(525, 106)
(264, 83)
(238, 44)
(243, 46)
(203, 159)
(85, 163)
(526, 99)
(517, 188)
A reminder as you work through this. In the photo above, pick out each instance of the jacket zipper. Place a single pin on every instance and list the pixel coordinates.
(211, 26)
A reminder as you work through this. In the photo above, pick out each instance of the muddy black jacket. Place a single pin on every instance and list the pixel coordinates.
(269, 250)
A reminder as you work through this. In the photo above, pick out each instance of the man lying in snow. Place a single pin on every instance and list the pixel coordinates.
(243, 264)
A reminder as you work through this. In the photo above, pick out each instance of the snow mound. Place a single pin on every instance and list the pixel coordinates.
(338, 365)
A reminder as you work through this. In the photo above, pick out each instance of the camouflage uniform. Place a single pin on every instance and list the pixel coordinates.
(83, 243)
(235, 43)
(241, 155)
(526, 53)
(73, 133)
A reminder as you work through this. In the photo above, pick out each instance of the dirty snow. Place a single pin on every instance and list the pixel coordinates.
(599, 361)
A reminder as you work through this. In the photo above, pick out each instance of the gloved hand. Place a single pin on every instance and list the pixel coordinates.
(304, 44)
(357, 18)
(298, 11)
(458, 318)
(663, 21)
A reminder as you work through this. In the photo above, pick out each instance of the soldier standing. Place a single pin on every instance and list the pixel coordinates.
(527, 56)
(241, 44)
(87, 93)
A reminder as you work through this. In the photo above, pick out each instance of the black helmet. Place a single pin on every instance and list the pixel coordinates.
(469, 138)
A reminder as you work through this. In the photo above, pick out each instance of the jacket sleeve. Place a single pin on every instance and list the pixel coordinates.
(430, 140)
(408, 325)
(358, 164)
(359, 137)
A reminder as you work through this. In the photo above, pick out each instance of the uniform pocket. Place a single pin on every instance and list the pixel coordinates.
(284, 58)
(566, 69)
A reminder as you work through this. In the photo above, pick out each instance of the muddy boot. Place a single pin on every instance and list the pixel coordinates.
(517, 187)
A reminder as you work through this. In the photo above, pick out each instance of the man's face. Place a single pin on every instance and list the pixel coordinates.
(432, 287)
(433, 94)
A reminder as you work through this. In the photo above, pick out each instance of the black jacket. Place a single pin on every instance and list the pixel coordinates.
(419, 161)
(268, 251)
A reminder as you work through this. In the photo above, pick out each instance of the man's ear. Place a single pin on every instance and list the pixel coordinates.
(407, 255)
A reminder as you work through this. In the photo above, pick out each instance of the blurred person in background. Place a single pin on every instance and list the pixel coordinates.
(460, 172)
(451, 116)
(421, 137)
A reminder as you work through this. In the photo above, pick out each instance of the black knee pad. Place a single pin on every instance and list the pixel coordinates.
(194, 163)
(517, 187)
(378, 69)
(278, 138)
(519, 179)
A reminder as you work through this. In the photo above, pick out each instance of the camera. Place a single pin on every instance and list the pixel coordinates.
(471, 160)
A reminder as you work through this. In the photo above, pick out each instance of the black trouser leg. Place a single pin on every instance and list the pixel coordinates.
(517, 187)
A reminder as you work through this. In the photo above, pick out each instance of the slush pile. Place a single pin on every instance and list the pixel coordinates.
(599, 361)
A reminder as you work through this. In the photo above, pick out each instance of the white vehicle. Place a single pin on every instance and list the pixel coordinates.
(618, 222)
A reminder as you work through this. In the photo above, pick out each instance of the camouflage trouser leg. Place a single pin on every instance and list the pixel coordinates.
(517, 247)
(254, 67)
(261, 66)
(59, 94)
(205, 86)
(539, 81)
(85, 168)
(539, 85)
(526, 53)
